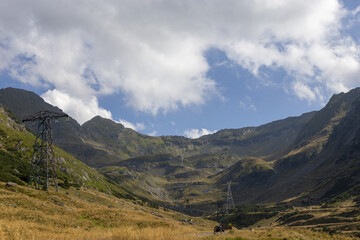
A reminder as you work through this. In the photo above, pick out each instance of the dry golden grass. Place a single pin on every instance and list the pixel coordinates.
(34, 231)
(26, 213)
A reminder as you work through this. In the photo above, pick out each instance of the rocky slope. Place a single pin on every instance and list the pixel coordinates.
(323, 161)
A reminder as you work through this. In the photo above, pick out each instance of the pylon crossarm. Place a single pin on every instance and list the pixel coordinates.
(43, 115)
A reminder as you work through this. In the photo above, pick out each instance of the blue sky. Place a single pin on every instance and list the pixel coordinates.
(182, 67)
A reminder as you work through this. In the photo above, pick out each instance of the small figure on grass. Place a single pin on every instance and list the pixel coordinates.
(218, 228)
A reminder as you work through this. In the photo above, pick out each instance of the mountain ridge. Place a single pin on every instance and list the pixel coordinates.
(79, 139)
(294, 158)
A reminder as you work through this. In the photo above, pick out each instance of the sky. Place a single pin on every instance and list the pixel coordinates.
(181, 67)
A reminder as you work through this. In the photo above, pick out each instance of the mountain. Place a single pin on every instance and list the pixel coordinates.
(338, 163)
(323, 160)
(318, 163)
(102, 142)
(67, 134)
(301, 160)
(264, 141)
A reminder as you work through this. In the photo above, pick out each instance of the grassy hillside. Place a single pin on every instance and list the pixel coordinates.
(117, 141)
(81, 213)
(336, 216)
(194, 185)
(15, 154)
(248, 170)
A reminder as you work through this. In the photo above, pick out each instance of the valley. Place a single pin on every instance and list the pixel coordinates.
(300, 174)
(84, 213)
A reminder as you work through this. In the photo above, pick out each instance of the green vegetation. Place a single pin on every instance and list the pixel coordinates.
(291, 166)
(351, 194)
(13, 169)
(83, 213)
(247, 215)
(16, 150)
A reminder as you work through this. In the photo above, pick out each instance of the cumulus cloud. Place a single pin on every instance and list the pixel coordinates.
(196, 133)
(77, 108)
(87, 49)
(304, 92)
(134, 126)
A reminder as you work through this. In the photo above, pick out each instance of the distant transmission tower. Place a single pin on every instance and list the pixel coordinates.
(229, 199)
(43, 170)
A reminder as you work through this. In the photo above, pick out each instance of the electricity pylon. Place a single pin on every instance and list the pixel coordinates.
(43, 171)
(229, 199)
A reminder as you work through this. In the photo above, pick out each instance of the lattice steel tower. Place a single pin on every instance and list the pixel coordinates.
(229, 199)
(43, 170)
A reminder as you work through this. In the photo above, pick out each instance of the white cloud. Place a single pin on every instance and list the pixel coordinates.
(134, 126)
(304, 92)
(153, 133)
(314, 53)
(196, 133)
(76, 108)
(86, 49)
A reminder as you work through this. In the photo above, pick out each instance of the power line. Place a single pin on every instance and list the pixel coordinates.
(43, 171)
(229, 199)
